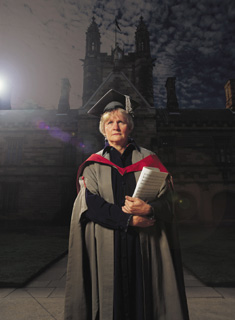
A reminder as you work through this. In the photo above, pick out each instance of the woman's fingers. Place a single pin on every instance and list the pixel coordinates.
(130, 198)
(137, 206)
(126, 210)
(142, 222)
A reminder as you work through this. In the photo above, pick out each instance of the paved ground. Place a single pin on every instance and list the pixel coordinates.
(43, 298)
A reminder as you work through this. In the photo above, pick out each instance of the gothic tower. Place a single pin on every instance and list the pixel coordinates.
(92, 70)
(136, 66)
(143, 62)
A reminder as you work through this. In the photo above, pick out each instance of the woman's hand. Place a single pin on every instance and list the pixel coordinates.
(136, 206)
(142, 222)
(139, 209)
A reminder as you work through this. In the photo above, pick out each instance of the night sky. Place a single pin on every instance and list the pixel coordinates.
(42, 41)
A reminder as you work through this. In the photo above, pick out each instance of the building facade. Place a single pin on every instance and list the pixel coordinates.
(40, 150)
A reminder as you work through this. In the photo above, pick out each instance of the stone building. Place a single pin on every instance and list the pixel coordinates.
(131, 72)
(197, 147)
(40, 150)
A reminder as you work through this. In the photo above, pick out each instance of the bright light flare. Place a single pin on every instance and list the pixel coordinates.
(4, 86)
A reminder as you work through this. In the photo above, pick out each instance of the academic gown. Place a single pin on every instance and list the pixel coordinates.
(128, 287)
(143, 284)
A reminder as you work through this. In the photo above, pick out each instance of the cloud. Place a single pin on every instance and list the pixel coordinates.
(193, 40)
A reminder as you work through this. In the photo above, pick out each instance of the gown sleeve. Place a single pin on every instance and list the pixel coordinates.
(98, 210)
(106, 214)
(162, 207)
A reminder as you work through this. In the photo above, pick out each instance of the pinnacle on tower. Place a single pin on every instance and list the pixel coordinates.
(172, 102)
(142, 38)
(93, 39)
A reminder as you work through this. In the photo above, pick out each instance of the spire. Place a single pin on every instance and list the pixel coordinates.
(117, 54)
(93, 39)
(143, 62)
(92, 76)
(172, 103)
(142, 38)
(117, 27)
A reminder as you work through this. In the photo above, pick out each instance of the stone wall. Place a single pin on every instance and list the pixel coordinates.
(40, 152)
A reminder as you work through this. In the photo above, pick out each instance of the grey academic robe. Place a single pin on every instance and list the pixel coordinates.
(89, 293)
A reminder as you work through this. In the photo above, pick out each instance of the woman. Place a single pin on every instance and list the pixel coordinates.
(124, 260)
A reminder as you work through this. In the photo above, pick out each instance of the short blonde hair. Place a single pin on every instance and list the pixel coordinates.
(105, 117)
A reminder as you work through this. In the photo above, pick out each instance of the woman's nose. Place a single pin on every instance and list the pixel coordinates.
(116, 125)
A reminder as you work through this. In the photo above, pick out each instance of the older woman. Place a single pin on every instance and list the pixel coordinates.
(124, 259)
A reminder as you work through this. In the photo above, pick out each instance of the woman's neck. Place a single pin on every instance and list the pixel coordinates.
(118, 147)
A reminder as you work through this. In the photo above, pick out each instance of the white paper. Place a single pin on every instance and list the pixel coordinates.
(150, 183)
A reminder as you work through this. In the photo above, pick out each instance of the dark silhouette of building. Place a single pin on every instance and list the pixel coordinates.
(40, 150)
(118, 69)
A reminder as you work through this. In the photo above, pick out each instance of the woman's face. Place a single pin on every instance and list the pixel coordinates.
(116, 129)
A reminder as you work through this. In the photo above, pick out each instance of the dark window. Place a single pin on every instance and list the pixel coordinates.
(223, 150)
(223, 155)
(168, 150)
